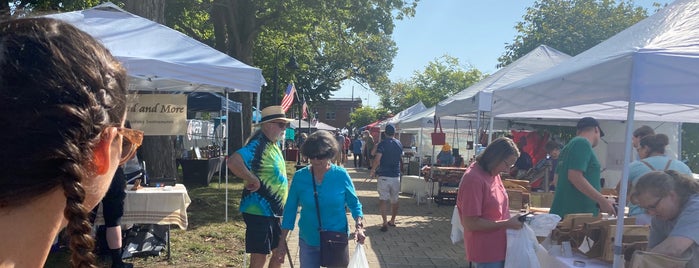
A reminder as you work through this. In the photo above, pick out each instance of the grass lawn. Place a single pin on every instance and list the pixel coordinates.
(209, 241)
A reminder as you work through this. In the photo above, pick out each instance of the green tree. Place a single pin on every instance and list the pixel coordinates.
(366, 115)
(440, 79)
(571, 26)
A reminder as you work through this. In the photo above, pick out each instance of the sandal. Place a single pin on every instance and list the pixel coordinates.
(384, 228)
(391, 224)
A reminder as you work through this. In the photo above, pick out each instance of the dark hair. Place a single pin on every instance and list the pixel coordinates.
(656, 143)
(496, 152)
(320, 144)
(59, 89)
(661, 183)
(551, 146)
(643, 131)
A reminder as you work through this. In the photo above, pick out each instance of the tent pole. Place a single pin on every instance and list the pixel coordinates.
(490, 129)
(228, 125)
(618, 253)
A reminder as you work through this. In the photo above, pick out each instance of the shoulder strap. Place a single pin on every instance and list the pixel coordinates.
(648, 165)
(667, 166)
(315, 196)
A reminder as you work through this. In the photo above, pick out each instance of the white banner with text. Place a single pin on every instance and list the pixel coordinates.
(158, 114)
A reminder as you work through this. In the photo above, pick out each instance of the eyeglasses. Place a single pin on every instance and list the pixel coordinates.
(319, 156)
(131, 141)
(652, 207)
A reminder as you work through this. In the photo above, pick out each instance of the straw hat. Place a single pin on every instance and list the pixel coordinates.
(272, 113)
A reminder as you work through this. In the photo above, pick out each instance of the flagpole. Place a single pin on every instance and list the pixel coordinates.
(298, 149)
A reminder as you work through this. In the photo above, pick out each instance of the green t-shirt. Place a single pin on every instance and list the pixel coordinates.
(577, 155)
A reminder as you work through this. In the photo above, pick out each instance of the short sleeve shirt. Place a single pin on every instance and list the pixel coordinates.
(658, 162)
(264, 159)
(483, 195)
(576, 155)
(685, 225)
(391, 151)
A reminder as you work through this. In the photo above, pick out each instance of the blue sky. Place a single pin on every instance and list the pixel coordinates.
(475, 32)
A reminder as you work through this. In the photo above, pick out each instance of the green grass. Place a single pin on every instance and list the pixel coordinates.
(209, 241)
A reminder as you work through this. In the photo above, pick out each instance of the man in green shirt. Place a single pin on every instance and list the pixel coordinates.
(578, 188)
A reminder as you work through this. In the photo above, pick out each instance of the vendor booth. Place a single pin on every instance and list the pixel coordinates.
(647, 72)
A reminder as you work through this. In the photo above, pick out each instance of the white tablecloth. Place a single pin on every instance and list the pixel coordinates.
(154, 205)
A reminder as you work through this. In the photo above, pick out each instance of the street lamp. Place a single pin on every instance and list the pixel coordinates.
(291, 65)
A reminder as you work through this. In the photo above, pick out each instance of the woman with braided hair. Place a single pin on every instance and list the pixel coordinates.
(62, 110)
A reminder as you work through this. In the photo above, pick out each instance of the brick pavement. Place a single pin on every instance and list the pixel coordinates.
(420, 239)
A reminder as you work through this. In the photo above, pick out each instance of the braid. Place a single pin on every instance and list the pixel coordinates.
(79, 227)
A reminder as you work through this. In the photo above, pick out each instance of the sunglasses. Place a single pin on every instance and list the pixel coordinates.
(282, 125)
(319, 156)
(131, 141)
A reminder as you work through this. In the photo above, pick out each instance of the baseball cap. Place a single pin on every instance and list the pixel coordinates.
(390, 130)
(589, 122)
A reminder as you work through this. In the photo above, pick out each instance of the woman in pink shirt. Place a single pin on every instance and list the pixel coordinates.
(483, 205)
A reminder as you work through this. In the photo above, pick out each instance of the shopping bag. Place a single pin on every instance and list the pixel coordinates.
(457, 230)
(521, 246)
(438, 138)
(359, 259)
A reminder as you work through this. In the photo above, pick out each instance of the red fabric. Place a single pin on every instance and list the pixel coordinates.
(483, 195)
(288, 97)
(536, 144)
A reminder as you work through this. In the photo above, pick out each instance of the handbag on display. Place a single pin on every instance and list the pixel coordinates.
(334, 246)
(438, 138)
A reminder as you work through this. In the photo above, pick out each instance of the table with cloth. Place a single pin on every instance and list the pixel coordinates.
(154, 205)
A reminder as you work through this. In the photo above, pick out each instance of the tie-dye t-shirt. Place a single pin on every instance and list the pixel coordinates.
(264, 159)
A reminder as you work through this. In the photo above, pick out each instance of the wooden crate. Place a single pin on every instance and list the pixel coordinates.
(516, 199)
(541, 200)
(631, 234)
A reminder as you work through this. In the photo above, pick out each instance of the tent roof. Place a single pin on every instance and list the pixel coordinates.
(654, 63)
(473, 99)
(416, 108)
(304, 124)
(158, 58)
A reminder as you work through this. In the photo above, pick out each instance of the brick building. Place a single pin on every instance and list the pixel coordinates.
(336, 111)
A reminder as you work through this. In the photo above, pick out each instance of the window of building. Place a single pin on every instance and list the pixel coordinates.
(329, 115)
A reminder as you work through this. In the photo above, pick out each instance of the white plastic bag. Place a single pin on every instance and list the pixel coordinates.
(457, 230)
(358, 259)
(543, 224)
(522, 246)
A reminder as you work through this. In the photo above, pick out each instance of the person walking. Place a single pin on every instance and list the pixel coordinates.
(335, 191)
(387, 166)
(62, 111)
(357, 145)
(578, 186)
(483, 204)
(368, 148)
(260, 164)
(651, 150)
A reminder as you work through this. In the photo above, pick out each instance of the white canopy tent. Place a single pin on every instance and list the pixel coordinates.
(161, 59)
(649, 71)
(416, 108)
(158, 58)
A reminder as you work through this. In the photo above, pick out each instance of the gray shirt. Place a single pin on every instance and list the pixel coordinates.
(685, 225)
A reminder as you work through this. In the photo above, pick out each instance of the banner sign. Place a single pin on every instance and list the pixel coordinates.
(158, 114)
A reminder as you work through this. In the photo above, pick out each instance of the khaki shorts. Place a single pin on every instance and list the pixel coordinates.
(388, 188)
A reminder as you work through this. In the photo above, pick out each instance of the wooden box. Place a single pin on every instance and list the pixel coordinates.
(631, 234)
(541, 200)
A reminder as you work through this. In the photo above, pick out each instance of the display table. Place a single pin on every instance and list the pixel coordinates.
(448, 179)
(198, 172)
(154, 205)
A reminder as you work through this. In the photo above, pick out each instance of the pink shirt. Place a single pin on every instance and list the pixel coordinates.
(483, 195)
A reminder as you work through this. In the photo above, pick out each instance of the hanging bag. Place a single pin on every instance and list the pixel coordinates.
(438, 138)
(334, 248)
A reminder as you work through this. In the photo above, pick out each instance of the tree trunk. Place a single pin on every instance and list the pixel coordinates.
(157, 151)
(235, 31)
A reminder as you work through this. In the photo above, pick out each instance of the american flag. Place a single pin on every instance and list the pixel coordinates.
(304, 111)
(288, 97)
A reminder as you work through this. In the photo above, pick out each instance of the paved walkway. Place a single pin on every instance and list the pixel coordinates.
(420, 239)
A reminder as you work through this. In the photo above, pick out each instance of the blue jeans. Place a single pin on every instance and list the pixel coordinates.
(309, 256)
(499, 264)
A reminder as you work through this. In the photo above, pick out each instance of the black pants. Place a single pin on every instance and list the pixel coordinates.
(357, 157)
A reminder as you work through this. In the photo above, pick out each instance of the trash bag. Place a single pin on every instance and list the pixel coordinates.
(543, 224)
(358, 259)
(144, 240)
(457, 230)
(521, 246)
